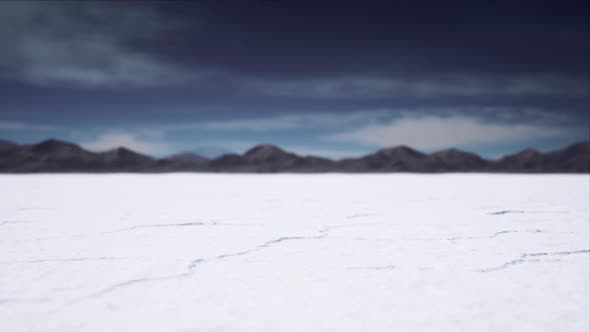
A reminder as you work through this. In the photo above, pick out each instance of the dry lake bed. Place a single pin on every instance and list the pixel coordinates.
(334, 252)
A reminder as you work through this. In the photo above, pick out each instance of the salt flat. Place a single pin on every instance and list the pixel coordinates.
(198, 252)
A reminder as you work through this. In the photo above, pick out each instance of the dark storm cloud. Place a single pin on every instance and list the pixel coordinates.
(86, 44)
(329, 55)
(333, 78)
(317, 49)
(325, 38)
(370, 49)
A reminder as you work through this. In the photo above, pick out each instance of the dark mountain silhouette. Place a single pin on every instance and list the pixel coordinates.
(59, 156)
(572, 159)
(7, 145)
(269, 158)
(523, 161)
(185, 161)
(49, 156)
(396, 159)
(123, 159)
(405, 159)
(188, 157)
(453, 160)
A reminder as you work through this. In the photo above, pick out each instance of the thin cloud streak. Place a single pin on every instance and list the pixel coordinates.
(283, 122)
(115, 139)
(435, 132)
(458, 85)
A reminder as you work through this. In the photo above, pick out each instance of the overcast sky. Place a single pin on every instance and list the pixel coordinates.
(334, 78)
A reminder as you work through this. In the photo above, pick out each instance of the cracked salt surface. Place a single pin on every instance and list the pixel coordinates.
(525, 258)
(505, 212)
(424, 253)
(496, 234)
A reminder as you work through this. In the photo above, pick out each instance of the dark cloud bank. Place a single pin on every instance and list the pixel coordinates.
(126, 63)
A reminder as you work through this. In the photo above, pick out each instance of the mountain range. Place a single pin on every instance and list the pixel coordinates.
(55, 156)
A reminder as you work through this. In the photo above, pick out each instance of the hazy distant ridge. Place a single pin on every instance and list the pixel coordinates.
(59, 156)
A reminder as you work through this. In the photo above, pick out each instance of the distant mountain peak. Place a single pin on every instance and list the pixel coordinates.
(457, 160)
(450, 151)
(264, 149)
(266, 152)
(122, 150)
(54, 142)
(401, 150)
(53, 145)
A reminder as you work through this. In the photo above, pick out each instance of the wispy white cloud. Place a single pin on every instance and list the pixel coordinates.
(286, 121)
(260, 124)
(434, 132)
(368, 87)
(114, 139)
(77, 63)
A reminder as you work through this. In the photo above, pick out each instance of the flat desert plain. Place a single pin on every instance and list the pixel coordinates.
(332, 252)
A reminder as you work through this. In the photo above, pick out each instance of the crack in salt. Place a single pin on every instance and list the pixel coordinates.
(125, 284)
(189, 272)
(515, 231)
(465, 238)
(191, 267)
(323, 234)
(496, 234)
(505, 212)
(525, 258)
(560, 253)
(194, 263)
